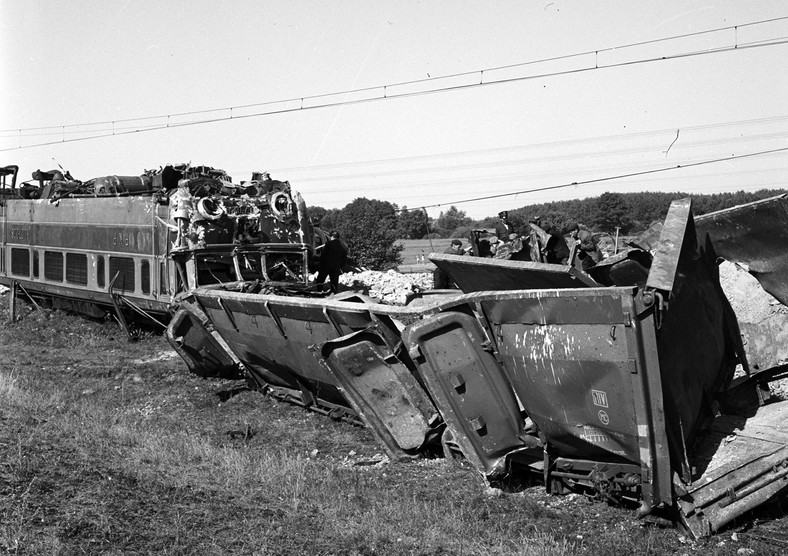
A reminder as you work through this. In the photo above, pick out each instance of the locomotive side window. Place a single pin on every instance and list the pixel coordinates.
(124, 267)
(53, 265)
(35, 264)
(77, 268)
(100, 271)
(20, 262)
(145, 276)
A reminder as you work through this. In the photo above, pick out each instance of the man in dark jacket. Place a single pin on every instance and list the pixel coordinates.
(440, 279)
(503, 228)
(587, 250)
(556, 251)
(332, 259)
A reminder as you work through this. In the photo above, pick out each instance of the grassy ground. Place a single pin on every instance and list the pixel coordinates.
(416, 251)
(110, 447)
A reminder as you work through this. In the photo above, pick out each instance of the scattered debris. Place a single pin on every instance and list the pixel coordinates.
(389, 287)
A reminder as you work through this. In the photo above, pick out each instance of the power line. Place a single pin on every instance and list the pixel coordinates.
(488, 180)
(470, 166)
(600, 180)
(431, 79)
(552, 145)
(383, 92)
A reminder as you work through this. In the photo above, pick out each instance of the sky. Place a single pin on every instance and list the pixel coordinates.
(420, 103)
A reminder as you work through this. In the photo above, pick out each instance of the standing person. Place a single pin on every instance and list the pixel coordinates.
(537, 239)
(556, 251)
(332, 259)
(587, 250)
(503, 228)
(440, 279)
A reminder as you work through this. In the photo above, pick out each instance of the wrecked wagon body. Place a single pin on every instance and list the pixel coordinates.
(620, 381)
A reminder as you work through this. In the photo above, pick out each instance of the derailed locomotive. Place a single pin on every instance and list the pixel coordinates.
(138, 244)
(621, 381)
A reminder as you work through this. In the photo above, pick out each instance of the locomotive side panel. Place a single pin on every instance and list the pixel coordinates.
(73, 249)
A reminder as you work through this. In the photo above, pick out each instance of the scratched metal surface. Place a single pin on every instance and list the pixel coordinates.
(380, 387)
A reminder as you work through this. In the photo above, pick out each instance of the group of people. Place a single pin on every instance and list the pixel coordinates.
(543, 243)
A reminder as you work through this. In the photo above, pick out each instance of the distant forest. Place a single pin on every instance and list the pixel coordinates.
(363, 220)
(629, 212)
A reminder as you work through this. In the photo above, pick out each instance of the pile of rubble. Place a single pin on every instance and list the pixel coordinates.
(749, 301)
(389, 287)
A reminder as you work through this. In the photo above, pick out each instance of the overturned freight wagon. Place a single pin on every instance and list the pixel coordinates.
(620, 380)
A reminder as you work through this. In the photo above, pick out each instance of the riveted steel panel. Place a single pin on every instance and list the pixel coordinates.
(469, 387)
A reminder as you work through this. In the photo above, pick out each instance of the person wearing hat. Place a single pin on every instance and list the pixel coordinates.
(440, 279)
(503, 228)
(587, 250)
(332, 259)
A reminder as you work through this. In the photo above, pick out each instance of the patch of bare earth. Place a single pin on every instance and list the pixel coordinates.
(111, 447)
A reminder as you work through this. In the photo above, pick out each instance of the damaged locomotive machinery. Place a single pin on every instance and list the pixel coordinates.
(621, 381)
(135, 245)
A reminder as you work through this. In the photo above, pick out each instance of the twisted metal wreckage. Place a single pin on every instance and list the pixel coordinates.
(619, 380)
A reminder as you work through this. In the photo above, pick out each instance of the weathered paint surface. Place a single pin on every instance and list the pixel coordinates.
(370, 372)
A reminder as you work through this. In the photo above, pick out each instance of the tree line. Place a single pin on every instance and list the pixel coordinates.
(370, 228)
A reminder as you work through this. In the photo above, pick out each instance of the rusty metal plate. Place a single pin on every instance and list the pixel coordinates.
(381, 389)
(473, 274)
(592, 388)
(469, 388)
(574, 378)
(755, 234)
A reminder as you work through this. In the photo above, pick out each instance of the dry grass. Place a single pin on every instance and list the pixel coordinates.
(108, 447)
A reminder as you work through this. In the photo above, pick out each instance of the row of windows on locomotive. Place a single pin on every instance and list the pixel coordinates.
(74, 269)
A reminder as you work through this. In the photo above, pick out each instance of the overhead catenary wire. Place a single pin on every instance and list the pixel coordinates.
(384, 91)
(553, 158)
(516, 149)
(600, 180)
